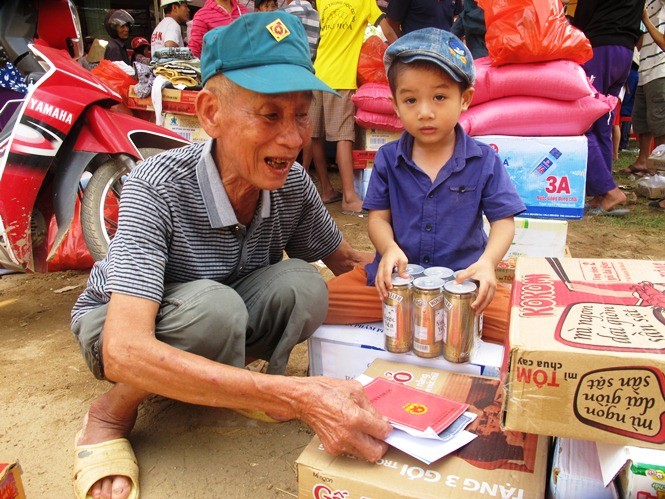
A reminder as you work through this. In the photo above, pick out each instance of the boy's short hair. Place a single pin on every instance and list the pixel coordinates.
(434, 46)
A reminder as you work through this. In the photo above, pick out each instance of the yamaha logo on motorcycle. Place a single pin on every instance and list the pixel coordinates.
(50, 110)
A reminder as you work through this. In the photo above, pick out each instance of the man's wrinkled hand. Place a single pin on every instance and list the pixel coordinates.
(343, 418)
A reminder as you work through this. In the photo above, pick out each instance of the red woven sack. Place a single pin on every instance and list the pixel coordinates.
(532, 31)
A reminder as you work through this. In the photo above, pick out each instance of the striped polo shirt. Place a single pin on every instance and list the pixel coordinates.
(177, 224)
(309, 18)
(652, 57)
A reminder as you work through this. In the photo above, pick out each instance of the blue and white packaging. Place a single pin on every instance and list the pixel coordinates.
(548, 172)
(345, 351)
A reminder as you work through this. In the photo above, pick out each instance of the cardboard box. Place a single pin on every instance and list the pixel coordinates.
(656, 160)
(505, 271)
(11, 486)
(548, 172)
(370, 139)
(346, 352)
(173, 101)
(495, 464)
(585, 356)
(641, 472)
(533, 237)
(576, 472)
(652, 187)
(363, 159)
(186, 126)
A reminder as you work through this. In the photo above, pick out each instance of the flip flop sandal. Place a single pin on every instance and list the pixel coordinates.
(335, 199)
(614, 212)
(96, 461)
(633, 170)
(656, 204)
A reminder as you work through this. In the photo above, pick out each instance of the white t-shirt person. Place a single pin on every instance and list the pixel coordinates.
(167, 30)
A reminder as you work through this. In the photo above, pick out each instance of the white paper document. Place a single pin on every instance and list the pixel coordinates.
(428, 446)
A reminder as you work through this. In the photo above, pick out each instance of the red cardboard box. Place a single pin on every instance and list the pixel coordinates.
(11, 486)
(363, 159)
(173, 101)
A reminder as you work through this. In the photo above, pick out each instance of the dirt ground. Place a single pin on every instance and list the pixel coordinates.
(183, 450)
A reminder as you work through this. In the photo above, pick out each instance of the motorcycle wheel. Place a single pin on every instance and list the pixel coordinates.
(101, 200)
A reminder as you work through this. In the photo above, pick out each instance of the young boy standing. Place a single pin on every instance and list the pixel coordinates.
(430, 188)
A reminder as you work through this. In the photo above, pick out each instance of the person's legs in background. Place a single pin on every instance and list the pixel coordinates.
(351, 201)
(609, 67)
(616, 139)
(316, 150)
(616, 132)
(648, 121)
(340, 128)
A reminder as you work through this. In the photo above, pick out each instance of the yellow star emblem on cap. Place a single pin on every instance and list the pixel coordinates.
(278, 30)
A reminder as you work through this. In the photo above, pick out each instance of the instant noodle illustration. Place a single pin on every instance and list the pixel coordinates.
(625, 317)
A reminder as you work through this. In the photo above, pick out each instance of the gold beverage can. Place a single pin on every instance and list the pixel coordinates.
(441, 272)
(461, 323)
(428, 316)
(397, 315)
(479, 318)
(414, 270)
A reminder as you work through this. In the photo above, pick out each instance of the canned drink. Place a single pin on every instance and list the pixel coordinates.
(441, 272)
(479, 318)
(397, 315)
(414, 270)
(428, 316)
(461, 327)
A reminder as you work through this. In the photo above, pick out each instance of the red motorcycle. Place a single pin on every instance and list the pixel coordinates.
(63, 128)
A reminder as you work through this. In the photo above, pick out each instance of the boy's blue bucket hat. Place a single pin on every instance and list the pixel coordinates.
(435, 45)
(265, 52)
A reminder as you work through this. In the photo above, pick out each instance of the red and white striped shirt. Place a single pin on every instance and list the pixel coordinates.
(210, 16)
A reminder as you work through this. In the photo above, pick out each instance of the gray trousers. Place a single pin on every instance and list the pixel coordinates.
(263, 315)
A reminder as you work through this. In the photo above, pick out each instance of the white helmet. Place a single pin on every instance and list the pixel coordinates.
(164, 3)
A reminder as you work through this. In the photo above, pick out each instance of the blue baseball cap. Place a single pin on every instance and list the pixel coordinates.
(435, 45)
(265, 52)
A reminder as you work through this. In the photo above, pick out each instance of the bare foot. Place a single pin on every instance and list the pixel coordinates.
(107, 421)
(595, 201)
(612, 199)
(355, 204)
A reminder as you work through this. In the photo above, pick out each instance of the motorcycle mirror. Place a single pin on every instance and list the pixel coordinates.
(75, 47)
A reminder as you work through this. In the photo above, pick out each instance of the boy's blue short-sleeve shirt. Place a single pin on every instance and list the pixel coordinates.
(440, 223)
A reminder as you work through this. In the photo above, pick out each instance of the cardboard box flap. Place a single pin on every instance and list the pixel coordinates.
(593, 304)
(576, 471)
(613, 458)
